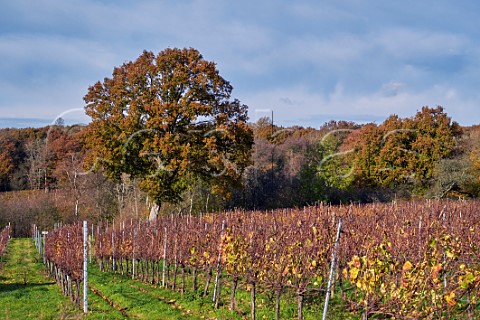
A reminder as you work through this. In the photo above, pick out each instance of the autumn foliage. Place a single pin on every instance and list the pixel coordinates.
(168, 120)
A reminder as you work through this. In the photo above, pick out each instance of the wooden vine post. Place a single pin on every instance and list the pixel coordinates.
(42, 247)
(332, 270)
(218, 279)
(85, 267)
(92, 239)
(113, 247)
(164, 256)
(133, 252)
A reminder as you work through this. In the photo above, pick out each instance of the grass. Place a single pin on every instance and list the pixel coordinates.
(136, 300)
(26, 291)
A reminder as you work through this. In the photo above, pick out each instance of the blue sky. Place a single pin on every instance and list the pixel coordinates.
(309, 61)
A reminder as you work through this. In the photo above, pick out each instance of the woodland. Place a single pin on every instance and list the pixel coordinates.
(44, 176)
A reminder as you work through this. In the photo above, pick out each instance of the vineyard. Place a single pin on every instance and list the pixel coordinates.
(399, 260)
(4, 238)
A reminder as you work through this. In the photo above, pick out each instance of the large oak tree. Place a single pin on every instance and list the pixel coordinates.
(168, 120)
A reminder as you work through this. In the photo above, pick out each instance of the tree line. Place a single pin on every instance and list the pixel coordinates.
(423, 156)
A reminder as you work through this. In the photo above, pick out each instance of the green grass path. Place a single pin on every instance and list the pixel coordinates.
(137, 300)
(25, 290)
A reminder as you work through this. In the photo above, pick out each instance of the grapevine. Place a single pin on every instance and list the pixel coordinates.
(406, 259)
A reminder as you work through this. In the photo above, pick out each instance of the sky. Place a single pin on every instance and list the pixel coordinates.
(308, 61)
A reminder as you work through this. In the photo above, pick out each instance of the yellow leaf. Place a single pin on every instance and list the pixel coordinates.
(450, 299)
(407, 266)
(358, 284)
(356, 261)
(466, 280)
(354, 273)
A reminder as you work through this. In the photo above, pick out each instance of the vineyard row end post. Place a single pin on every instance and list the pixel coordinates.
(332, 269)
(85, 267)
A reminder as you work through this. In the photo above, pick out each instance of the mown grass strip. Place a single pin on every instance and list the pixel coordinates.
(124, 295)
(194, 305)
(123, 311)
(26, 291)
